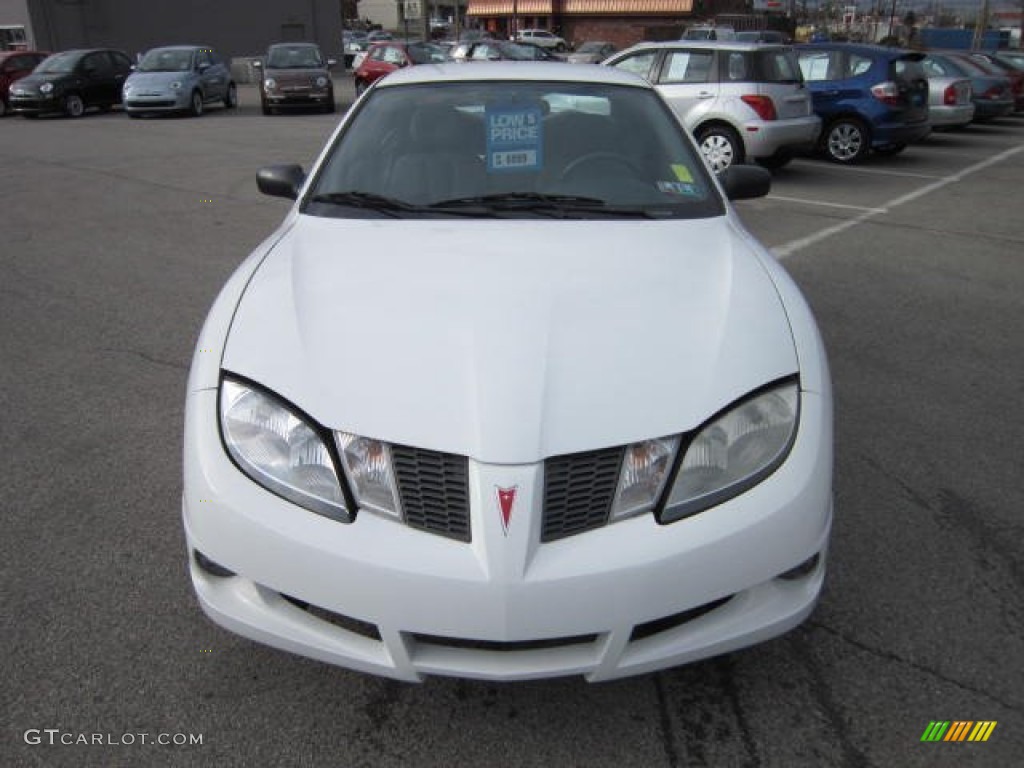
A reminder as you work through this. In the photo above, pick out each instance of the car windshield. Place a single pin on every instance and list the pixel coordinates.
(294, 57)
(513, 149)
(60, 62)
(166, 60)
(591, 47)
(426, 53)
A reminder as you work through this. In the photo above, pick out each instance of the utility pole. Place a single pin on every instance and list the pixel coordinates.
(980, 26)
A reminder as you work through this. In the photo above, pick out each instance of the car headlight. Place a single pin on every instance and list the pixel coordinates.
(321, 82)
(735, 450)
(269, 83)
(46, 88)
(176, 85)
(280, 449)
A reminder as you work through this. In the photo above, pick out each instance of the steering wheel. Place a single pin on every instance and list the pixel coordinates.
(609, 159)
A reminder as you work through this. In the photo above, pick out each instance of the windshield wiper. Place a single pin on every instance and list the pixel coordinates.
(558, 206)
(389, 205)
(367, 200)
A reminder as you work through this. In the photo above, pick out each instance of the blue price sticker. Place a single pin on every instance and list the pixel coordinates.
(514, 140)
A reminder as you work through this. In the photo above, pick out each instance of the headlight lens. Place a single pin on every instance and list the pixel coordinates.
(269, 83)
(645, 468)
(368, 467)
(735, 451)
(46, 88)
(280, 450)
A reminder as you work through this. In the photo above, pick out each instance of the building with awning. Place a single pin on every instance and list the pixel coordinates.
(622, 22)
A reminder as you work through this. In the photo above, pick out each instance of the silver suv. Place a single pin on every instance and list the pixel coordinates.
(740, 100)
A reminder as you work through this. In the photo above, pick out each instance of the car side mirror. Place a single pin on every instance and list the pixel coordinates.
(202, 68)
(745, 182)
(281, 180)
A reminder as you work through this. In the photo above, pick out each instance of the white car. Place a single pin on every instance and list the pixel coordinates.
(542, 38)
(510, 393)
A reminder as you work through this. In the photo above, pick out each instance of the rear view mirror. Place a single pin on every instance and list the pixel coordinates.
(281, 180)
(744, 182)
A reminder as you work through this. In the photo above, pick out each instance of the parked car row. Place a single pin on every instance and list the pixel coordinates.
(764, 102)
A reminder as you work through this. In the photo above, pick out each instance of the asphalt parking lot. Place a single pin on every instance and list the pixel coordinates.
(115, 236)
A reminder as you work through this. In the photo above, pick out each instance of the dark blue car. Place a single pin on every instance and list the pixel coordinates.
(868, 98)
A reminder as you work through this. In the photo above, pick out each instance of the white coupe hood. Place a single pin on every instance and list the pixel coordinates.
(496, 340)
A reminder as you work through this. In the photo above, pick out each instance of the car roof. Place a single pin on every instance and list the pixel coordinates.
(499, 71)
(864, 48)
(181, 48)
(711, 45)
(294, 45)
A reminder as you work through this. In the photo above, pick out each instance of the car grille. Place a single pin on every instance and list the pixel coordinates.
(578, 491)
(434, 490)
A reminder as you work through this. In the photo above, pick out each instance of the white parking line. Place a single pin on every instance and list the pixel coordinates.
(875, 171)
(803, 201)
(793, 246)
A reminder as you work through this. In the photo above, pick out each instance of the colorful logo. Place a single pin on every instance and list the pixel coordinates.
(506, 499)
(958, 730)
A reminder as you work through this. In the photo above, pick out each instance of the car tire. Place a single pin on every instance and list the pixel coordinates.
(560, 48)
(73, 105)
(3, 108)
(195, 107)
(846, 140)
(721, 146)
(330, 107)
(231, 97)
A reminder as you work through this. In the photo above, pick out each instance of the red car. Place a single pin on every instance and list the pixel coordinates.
(14, 65)
(389, 55)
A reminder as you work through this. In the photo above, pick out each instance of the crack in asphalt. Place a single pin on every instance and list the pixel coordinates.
(822, 693)
(727, 670)
(668, 740)
(148, 357)
(895, 658)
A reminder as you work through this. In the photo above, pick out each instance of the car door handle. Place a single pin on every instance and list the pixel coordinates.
(829, 93)
(705, 95)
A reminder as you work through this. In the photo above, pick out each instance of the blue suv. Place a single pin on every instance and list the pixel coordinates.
(868, 98)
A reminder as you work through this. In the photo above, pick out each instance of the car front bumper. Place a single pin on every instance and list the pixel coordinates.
(297, 96)
(34, 105)
(158, 101)
(629, 598)
(765, 138)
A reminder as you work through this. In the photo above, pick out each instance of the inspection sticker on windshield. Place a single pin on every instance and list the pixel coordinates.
(514, 140)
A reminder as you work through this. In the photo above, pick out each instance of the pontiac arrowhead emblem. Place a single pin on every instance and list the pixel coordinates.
(506, 500)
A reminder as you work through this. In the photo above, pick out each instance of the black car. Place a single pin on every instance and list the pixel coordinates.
(71, 82)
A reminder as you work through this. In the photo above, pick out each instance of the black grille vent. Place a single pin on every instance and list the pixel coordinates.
(434, 490)
(578, 491)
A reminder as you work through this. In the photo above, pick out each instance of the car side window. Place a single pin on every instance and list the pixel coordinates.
(736, 69)
(687, 67)
(96, 65)
(639, 64)
(857, 65)
(393, 55)
(819, 65)
(934, 68)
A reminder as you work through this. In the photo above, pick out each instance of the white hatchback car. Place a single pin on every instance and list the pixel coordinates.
(511, 393)
(741, 100)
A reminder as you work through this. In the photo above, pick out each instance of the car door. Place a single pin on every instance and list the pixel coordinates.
(96, 77)
(121, 67)
(688, 80)
(213, 78)
(822, 70)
